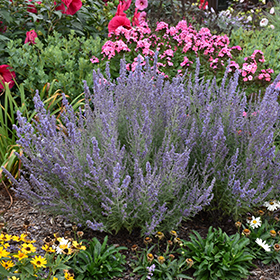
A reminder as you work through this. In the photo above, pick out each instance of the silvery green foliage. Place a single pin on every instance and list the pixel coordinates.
(122, 164)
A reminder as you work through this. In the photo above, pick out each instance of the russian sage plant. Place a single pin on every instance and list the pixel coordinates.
(235, 139)
(122, 162)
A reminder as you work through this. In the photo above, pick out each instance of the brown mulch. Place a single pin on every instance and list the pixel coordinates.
(13, 212)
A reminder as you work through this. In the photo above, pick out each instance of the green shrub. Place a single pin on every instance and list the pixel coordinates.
(98, 261)
(219, 256)
(266, 40)
(67, 60)
(18, 16)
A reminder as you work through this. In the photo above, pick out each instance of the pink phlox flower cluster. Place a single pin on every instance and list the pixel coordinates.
(214, 62)
(144, 28)
(225, 51)
(173, 31)
(265, 74)
(249, 68)
(161, 25)
(122, 31)
(182, 25)
(277, 86)
(109, 48)
(220, 41)
(186, 62)
(145, 45)
(94, 59)
(236, 48)
(169, 52)
(258, 56)
(233, 66)
(205, 31)
(209, 51)
(121, 46)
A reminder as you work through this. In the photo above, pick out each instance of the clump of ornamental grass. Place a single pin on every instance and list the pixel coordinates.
(122, 164)
(20, 258)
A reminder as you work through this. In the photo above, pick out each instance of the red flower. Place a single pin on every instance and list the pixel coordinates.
(203, 5)
(73, 6)
(117, 21)
(135, 19)
(122, 7)
(30, 37)
(6, 76)
(32, 8)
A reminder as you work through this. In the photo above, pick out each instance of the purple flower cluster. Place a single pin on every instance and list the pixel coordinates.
(235, 137)
(146, 153)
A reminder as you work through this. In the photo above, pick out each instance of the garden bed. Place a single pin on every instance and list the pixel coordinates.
(43, 224)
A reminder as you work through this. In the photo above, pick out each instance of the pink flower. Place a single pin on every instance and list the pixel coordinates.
(142, 17)
(6, 76)
(277, 86)
(72, 6)
(117, 21)
(141, 4)
(185, 62)
(161, 25)
(121, 46)
(30, 37)
(250, 78)
(244, 114)
(94, 59)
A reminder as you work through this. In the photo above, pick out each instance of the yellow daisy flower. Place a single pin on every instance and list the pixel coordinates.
(6, 245)
(39, 261)
(13, 278)
(20, 255)
(7, 264)
(16, 238)
(68, 276)
(3, 253)
(48, 248)
(28, 248)
(23, 237)
(5, 237)
(79, 246)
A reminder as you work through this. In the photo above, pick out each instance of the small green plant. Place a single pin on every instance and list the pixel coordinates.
(160, 264)
(263, 233)
(98, 261)
(218, 256)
